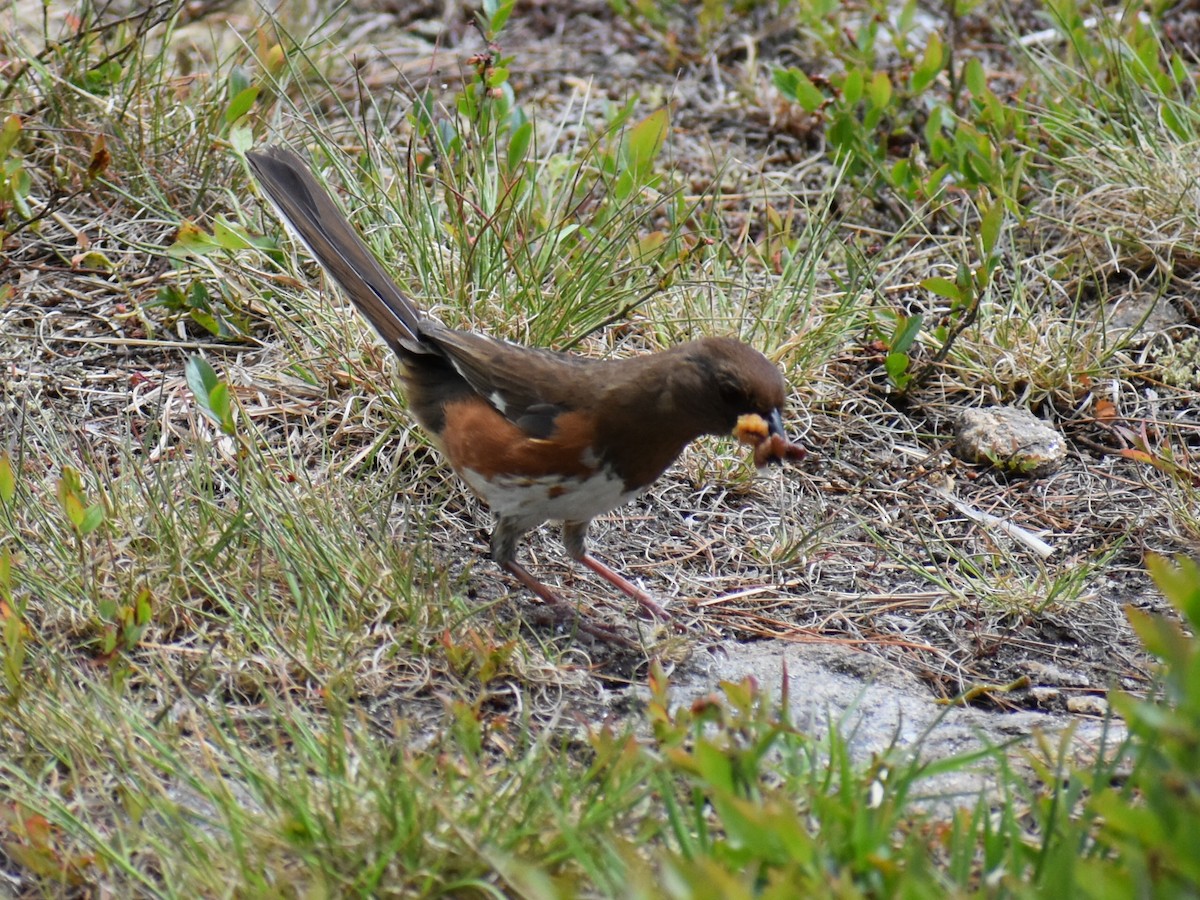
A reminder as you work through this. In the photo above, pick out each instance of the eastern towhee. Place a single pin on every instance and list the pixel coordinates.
(540, 435)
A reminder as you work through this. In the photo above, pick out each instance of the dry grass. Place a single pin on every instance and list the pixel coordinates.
(319, 585)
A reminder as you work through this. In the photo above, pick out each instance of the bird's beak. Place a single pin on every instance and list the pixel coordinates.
(775, 423)
(768, 438)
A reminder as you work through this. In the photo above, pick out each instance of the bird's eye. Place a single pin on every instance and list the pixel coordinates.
(732, 393)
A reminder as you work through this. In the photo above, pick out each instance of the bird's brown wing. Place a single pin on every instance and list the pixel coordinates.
(528, 386)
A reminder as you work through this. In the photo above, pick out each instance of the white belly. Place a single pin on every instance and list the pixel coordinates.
(551, 498)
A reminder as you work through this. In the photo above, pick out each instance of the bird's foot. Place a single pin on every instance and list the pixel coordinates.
(588, 626)
(626, 587)
(648, 603)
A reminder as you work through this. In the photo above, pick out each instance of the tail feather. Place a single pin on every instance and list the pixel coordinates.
(328, 234)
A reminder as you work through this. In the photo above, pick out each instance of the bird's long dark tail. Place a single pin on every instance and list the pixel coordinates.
(328, 234)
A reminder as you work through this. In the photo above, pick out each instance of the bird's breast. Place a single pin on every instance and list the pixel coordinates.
(557, 498)
(558, 477)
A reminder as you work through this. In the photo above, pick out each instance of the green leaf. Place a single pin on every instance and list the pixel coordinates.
(933, 125)
(975, 79)
(518, 144)
(241, 137)
(95, 261)
(9, 134)
(71, 497)
(101, 77)
(645, 142)
(240, 104)
(796, 86)
(92, 517)
(198, 297)
(943, 287)
(5, 574)
(221, 407)
(896, 365)
(170, 297)
(785, 81)
(881, 90)
(448, 137)
(20, 184)
(206, 320)
(1180, 584)
(497, 14)
(906, 333)
(142, 607)
(8, 480)
(1161, 637)
(73, 507)
(191, 238)
(713, 765)
(852, 87)
(72, 478)
(422, 111)
(200, 377)
(14, 656)
(500, 19)
(1178, 126)
(623, 186)
(239, 81)
(989, 226)
(843, 134)
(1121, 817)
(229, 236)
(935, 182)
(212, 395)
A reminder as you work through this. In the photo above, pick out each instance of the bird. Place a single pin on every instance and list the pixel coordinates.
(539, 435)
